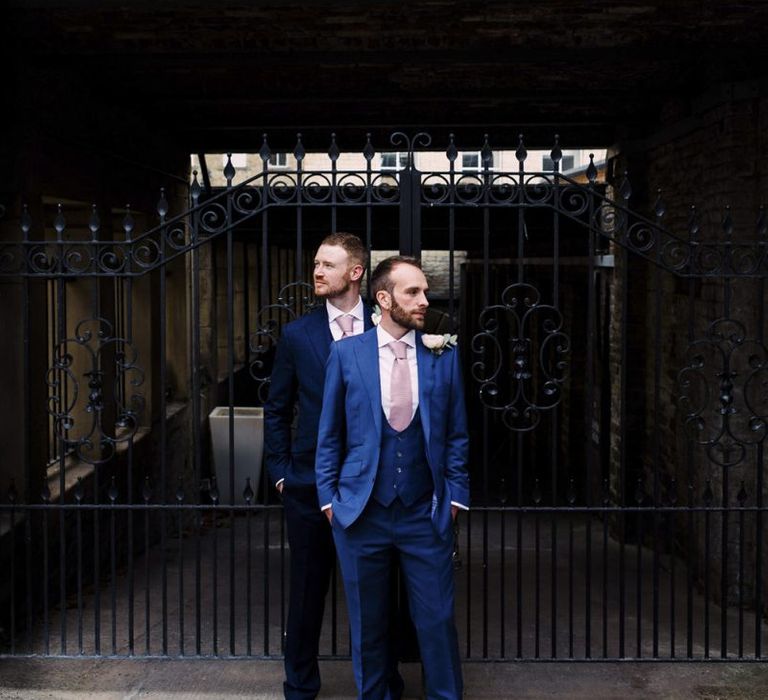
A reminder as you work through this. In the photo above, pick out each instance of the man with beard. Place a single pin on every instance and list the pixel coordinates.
(297, 381)
(392, 475)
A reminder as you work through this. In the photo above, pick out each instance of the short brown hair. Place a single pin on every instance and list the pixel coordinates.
(351, 243)
(380, 279)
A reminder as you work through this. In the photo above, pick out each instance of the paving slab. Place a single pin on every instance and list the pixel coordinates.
(203, 679)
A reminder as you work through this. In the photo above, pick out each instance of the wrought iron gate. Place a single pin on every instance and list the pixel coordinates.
(615, 373)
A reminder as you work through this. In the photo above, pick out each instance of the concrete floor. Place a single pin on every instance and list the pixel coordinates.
(107, 679)
(512, 594)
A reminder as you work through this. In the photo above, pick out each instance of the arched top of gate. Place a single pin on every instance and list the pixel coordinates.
(375, 182)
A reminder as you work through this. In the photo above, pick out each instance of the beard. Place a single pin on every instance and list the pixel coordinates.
(405, 319)
(331, 291)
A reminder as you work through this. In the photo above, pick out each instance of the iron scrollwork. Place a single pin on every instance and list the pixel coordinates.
(538, 348)
(728, 415)
(69, 404)
(293, 300)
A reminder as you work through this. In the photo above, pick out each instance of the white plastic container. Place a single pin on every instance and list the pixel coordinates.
(248, 447)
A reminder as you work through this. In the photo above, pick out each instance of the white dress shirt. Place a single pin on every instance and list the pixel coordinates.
(387, 361)
(358, 323)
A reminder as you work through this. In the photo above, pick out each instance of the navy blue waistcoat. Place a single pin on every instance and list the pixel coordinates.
(403, 469)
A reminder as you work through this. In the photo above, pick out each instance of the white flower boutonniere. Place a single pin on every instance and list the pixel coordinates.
(438, 344)
(376, 315)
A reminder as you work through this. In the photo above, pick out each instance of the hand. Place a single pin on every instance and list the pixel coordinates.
(454, 512)
(279, 487)
(329, 514)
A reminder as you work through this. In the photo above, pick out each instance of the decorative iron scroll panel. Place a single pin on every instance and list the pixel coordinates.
(617, 458)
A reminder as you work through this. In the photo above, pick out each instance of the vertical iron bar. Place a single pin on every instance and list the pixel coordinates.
(79, 542)
(521, 233)
(264, 301)
(126, 307)
(147, 585)
(231, 405)
(215, 575)
(537, 579)
(486, 446)
(605, 580)
(589, 416)
(622, 480)
(180, 564)
(196, 419)
(248, 577)
(555, 422)
(13, 577)
(163, 438)
(658, 311)
(113, 572)
(46, 618)
(690, 466)
(741, 580)
(707, 516)
(62, 455)
(759, 606)
(639, 584)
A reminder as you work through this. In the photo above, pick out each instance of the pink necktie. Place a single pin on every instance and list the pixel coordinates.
(400, 388)
(347, 325)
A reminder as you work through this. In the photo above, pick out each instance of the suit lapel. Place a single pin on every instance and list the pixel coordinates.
(367, 359)
(425, 365)
(316, 329)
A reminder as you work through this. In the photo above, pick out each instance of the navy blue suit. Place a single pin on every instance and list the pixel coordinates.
(297, 382)
(352, 441)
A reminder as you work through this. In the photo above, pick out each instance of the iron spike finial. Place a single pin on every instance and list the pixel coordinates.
(229, 170)
(180, 491)
(146, 490)
(592, 169)
(742, 495)
(162, 205)
(299, 152)
(728, 223)
(625, 189)
(194, 190)
(486, 153)
(248, 491)
(59, 223)
(451, 152)
(659, 208)
(264, 152)
(79, 490)
(112, 493)
(94, 224)
(128, 222)
(761, 224)
(368, 150)
(556, 154)
(213, 492)
(693, 223)
(333, 150)
(26, 221)
(522, 152)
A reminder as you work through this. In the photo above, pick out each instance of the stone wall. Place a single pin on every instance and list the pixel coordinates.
(712, 156)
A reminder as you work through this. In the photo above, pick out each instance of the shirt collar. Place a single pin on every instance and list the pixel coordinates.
(334, 313)
(384, 338)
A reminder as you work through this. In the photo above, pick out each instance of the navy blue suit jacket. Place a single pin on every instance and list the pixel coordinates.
(349, 437)
(297, 382)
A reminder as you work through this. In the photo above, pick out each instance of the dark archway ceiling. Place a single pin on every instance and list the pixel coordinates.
(215, 76)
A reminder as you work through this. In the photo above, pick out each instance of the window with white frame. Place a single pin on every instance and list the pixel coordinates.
(472, 161)
(395, 160)
(278, 160)
(566, 163)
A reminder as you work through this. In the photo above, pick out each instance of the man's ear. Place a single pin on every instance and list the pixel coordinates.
(356, 272)
(384, 298)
